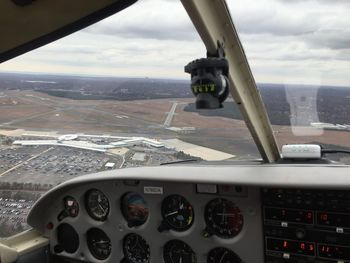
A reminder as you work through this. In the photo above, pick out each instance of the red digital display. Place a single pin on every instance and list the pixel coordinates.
(291, 246)
(333, 219)
(334, 252)
(289, 215)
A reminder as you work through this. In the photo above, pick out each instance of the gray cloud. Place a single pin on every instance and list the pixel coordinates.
(327, 2)
(274, 23)
(162, 20)
(300, 41)
(162, 32)
(332, 39)
(322, 25)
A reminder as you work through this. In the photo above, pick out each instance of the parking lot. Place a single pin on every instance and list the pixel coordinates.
(11, 156)
(14, 210)
(55, 165)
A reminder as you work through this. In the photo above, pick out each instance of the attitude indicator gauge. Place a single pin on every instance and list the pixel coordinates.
(135, 209)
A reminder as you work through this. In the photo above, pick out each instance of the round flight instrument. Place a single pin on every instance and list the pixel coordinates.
(99, 243)
(136, 249)
(135, 209)
(177, 213)
(222, 255)
(71, 206)
(67, 238)
(177, 251)
(223, 218)
(97, 204)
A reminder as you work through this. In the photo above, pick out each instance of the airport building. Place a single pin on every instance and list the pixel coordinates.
(72, 141)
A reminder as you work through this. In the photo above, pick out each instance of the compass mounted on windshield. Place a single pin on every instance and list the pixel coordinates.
(209, 79)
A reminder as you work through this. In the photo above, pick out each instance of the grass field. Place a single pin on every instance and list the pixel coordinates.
(36, 111)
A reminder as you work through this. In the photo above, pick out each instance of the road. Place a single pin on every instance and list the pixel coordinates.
(171, 113)
(122, 164)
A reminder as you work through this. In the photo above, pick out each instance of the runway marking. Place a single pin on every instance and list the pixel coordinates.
(171, 113)
(28, 118)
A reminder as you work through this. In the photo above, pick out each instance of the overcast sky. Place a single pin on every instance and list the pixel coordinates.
(286, 41)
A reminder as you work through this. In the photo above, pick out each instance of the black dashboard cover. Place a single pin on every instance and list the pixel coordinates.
(27, 25)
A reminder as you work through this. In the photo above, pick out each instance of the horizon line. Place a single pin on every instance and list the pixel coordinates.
(145, 77)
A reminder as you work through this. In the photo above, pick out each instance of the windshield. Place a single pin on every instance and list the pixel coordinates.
(299, 55)
(109, 97)
(115, 95)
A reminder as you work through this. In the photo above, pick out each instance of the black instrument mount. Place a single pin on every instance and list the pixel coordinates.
(209, 79)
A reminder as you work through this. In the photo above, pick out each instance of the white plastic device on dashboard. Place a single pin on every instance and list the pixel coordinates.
(301, 151)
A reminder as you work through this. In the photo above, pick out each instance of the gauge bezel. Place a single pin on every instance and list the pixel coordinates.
(127, 252)
(166, 220)
(89, 244)
(73, 243)
(88, 209)
(225, 234)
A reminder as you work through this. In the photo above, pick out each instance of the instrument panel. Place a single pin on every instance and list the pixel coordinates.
(150, 221)
(305, 225)
(248, 214)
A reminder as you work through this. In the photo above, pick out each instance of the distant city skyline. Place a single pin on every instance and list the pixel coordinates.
(301, 42)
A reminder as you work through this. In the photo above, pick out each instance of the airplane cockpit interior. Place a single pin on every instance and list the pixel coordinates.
(290, 204)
